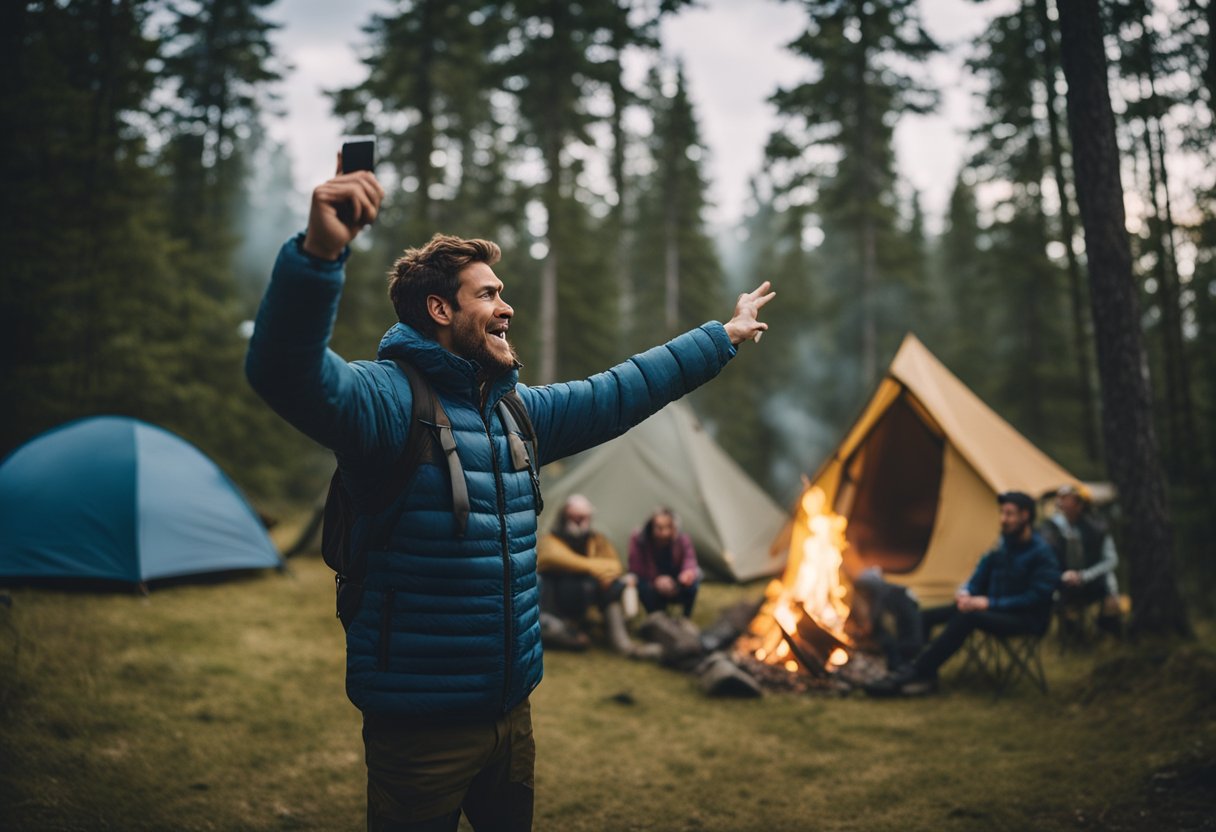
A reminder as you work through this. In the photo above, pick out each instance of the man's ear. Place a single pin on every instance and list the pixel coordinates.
(440, 310)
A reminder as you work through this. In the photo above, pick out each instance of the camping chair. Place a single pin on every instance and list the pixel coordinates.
(1005, 660)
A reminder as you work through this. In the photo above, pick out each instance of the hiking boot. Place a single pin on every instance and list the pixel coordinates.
(647, 652)
(618, 631)
(919, 686)
(904, 682)
(561, 635)
(890, 684)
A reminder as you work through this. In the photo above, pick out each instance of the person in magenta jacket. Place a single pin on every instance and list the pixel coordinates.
(665, 563)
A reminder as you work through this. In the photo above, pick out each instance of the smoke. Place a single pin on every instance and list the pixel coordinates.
(803, 442)
(271, 212)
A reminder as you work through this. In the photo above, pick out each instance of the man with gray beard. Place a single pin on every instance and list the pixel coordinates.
(580, 568)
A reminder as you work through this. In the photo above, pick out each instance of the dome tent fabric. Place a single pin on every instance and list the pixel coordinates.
(110, 498)
(670, 460)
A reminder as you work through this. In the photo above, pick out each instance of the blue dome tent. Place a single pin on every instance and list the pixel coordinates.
(110, 498)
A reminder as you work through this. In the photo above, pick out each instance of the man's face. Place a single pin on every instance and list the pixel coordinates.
(578, 520)
(1070, 506)
(663, 529)
(480, 323)
(1013, 520)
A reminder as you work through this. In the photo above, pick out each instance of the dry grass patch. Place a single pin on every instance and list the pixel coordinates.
(222, 708)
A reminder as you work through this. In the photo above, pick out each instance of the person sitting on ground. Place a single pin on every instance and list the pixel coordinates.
(579, 568)
(1087, 558)
(890, 619)
(665, 563)
(1010, 593)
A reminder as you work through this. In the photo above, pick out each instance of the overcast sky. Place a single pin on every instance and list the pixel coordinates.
(734, 59)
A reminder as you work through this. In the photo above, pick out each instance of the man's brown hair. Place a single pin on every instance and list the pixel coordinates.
(434, 269)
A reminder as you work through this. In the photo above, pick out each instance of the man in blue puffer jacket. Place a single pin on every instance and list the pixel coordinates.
(445, 648)
(1009, 593)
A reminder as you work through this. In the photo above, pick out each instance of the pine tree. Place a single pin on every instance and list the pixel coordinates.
(970, 317)
(442, 145)
(1013, 150)
(1154, 61)
(1131, 447)
(788, 389)
(218, 76)
(557, 58)
(1048, 47)
(78, 208)
(681, 282)
(837, 136)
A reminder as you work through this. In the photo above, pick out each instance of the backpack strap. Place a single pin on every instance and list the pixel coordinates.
(513, 413)
(432, 414)
(429, 439)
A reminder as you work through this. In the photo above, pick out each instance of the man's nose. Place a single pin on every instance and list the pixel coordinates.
(504, 309)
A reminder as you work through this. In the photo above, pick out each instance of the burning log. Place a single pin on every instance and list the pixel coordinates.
(679, 638)
(719, 676)
(800, 626)
(815, 646)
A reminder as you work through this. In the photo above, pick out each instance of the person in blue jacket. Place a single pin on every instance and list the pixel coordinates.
(445, 647)
(1010, 592)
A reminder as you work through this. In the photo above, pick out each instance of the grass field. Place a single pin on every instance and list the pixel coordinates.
(222, 707)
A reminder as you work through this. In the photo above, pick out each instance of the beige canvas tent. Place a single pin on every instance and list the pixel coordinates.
(669, 460)
(918, 473)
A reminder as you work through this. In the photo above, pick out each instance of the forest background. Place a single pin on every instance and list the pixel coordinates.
(145, 196)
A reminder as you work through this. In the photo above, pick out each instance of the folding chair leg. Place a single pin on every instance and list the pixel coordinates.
(1004, 660)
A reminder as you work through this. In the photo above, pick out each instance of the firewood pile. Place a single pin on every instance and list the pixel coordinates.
(723, 669)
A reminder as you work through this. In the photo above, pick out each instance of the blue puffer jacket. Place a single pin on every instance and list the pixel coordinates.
(449, 626)
(1021, 577)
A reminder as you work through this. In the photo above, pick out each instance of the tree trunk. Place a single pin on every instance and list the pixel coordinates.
(616, 219)
(1192, 471)
(671, 264)
(1167, 301)
(1209, 72)
(424, 144)
(552, 136)
(91, 369)
(548, 315)
(552, 195)
(1131, 443)
(1068, 234)
(868, 242)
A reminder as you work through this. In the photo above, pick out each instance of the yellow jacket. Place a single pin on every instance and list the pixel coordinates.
(601, 560)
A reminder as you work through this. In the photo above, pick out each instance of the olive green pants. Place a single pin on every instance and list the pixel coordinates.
(421, 775)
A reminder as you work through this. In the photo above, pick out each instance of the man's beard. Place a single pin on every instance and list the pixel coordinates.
(1014, 536)
(471, 342)
(575, 535)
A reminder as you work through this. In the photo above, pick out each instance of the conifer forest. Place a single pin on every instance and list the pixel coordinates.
(1070, 280)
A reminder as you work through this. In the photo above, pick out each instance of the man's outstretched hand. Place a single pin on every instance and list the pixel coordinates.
(745, 324)
(340, 209)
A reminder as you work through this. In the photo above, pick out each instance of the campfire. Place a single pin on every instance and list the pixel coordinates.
(801, 625)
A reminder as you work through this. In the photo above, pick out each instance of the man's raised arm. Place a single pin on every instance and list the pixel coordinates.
(289, 363)
(573, 416)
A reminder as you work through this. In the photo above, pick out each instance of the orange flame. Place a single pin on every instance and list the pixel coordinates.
(812, 586)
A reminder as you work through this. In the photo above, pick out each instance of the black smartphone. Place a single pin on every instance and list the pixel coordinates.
(358, 153)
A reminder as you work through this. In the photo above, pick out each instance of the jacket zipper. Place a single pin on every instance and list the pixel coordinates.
(508, 607)
(386, 629)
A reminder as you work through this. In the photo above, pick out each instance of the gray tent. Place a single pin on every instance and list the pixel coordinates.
(669, 460)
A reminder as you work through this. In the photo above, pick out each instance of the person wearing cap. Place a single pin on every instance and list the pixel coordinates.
(1009, 593)
(1087, 558)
